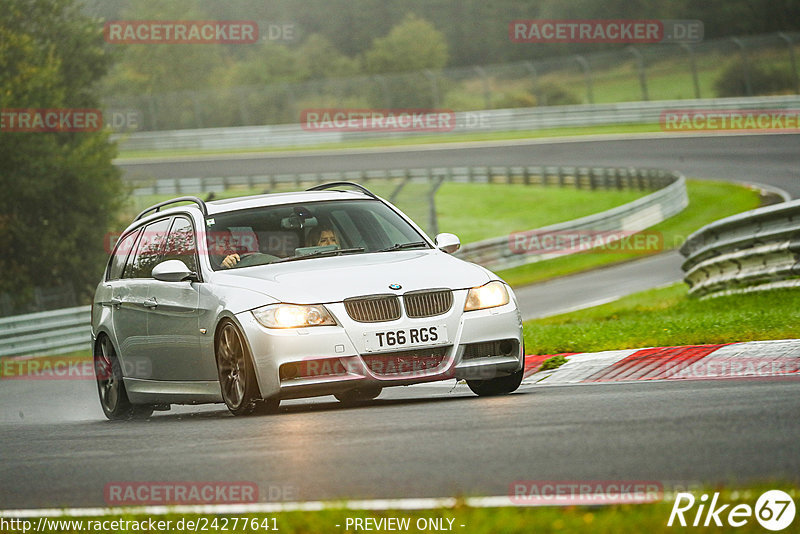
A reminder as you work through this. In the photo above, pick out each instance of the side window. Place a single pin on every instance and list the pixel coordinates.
(148, 250)
(181, 244)
(121, 251)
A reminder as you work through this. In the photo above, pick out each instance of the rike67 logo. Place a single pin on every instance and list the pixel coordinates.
(774, 510)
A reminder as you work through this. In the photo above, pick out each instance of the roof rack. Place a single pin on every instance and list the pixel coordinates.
(329, 185)
(155, 208)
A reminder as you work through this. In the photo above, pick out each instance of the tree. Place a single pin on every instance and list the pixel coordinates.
(414, 44)
(61, 192)
(413, 51)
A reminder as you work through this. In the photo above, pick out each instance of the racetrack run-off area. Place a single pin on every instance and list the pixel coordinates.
(756, 359)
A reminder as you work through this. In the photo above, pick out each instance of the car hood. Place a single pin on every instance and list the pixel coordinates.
(321, 280)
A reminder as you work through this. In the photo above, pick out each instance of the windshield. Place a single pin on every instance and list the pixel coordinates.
(289, 232)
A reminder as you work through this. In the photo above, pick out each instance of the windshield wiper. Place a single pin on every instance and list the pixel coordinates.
(400, 246)
(320, 254)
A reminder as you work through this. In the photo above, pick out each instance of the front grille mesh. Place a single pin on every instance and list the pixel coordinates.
(373, 309)
(405, 362)
(487, 349)
(428, 303)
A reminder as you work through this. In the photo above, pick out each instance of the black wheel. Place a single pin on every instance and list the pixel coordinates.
(237, 378)
(111, 388)
(502, 385)
(352, 396)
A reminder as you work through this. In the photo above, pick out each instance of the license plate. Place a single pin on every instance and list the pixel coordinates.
(401, 338)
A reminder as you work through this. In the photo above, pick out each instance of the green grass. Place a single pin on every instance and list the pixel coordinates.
(667, 317)
(481, 211)
(406, 141)
(708, 201)
(614, 519)
(472, 210)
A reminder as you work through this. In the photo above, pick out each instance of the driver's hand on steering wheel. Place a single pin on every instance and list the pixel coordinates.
(230, 261)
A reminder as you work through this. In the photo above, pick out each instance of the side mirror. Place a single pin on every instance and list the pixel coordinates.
(447, 243)
(173, 271)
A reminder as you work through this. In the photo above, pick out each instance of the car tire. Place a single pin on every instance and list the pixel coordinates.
(111, 387)
(498, 386)
(267, 407)
(354, 396)
(237, 377)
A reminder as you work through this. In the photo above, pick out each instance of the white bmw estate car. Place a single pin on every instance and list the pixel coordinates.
(251, 300)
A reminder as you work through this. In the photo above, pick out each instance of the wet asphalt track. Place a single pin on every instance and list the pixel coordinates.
(433, 440)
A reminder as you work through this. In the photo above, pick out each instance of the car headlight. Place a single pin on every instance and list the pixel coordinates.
(293, 316)
(490, 295)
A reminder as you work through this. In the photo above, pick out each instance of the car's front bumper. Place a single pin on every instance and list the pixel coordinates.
(340, 360)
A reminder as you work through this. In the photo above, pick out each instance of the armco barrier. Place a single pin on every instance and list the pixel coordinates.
(640, 214)
(751, 251)
(497, 120)
(50, 332)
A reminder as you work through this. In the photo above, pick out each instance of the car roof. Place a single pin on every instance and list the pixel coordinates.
(276, 199)
(256, 201)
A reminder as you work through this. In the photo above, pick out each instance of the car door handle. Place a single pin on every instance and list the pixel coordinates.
(150, 303)
(115, 303)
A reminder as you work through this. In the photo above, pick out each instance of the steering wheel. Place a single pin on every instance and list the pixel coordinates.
(249, 259)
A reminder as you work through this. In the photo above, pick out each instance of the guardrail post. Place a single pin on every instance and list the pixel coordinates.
(748, 86)
(792, 60)
(693, 66)
(642, 73)
(487, 92)
(433, 79)
(541, 98)
(432, 219)
(387, 95)
(587, 73)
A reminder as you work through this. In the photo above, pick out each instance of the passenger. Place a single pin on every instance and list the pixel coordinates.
(321, 236)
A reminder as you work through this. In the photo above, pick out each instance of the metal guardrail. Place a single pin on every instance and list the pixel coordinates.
(50, 332)
(499, 120)
(751, 251)
(640, 214)
(573, 177)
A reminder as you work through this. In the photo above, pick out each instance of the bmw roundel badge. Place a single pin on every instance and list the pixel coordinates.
(395, 286)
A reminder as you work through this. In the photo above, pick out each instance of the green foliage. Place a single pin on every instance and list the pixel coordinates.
(553, 363)
(704, 207)
(413, 45)
(553, 94)
(667, 317)
(60, 190)
(765, 79)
